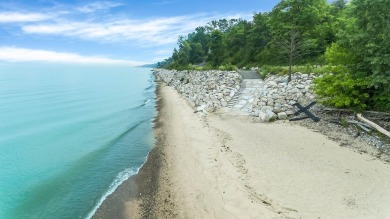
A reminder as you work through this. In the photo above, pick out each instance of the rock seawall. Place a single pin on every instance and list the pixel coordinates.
(278, 96)
(205, 90)
(209, 91)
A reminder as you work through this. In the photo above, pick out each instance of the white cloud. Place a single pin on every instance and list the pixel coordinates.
(159, 59)
(17, 17)
(163, 3)
(163, 52)
(96, 6)
(12, 54)
(150, 32)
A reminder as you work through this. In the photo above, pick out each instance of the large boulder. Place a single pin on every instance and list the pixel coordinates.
(266, 115)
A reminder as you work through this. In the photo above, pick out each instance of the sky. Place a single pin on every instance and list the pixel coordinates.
(108, 32)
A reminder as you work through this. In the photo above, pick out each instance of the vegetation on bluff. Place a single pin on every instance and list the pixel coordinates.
(350, 38)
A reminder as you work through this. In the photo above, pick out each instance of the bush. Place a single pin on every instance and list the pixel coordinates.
(263, 74)
(275, 70)
(340, 89)
(381, 101)
(283, 70)
(337, 55)
(227, 67)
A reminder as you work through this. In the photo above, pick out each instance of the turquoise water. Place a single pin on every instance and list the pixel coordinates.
(69, 135)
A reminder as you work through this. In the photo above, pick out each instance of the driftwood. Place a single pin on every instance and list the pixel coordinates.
(363, 126)
(373, 125)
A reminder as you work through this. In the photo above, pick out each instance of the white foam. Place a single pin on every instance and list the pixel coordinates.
(122, 176)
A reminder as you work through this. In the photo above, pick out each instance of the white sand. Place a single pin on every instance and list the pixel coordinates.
(231, 167)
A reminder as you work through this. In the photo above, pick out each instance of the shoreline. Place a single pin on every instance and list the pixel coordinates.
(127, 201)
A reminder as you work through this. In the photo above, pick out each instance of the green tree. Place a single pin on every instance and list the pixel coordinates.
(184, 53)
(196, 53)
(217, 48)
(339, 5)
(306, 19)
(302, 16)
(236, 40)
(366, 36)
(201, 36)
(259, 37)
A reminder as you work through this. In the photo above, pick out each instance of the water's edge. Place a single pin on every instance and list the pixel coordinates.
(135, 185)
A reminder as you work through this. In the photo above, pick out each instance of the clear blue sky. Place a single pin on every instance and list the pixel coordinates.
(127, 31)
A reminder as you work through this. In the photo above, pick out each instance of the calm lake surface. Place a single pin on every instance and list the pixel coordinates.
(69, 135)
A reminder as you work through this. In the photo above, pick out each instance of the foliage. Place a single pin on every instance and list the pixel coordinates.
(298, 30)
(370, 43)
(363, 47)
(217, 48)
(283, 70)
(274, 70)
(337, 55)
(338, 88)
(227, 67)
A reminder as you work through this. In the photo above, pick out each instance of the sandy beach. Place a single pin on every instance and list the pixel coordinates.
(225, 166)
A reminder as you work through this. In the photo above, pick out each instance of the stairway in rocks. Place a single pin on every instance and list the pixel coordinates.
(241, 102)
(235, 98)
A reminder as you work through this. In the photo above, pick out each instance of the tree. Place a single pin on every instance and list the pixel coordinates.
(302, 16)
(217, 48)
(339, 5)
(258, 37)
(196, 53)
(306, 18)
(292, 47)
(366, 35)
(236, 40)
(201, 36)
(222, 25)
(184, 53)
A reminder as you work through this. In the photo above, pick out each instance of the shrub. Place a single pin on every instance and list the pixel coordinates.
(337, 55)
(275, 70)
(227, 67)
(263, 74)
(340, 89)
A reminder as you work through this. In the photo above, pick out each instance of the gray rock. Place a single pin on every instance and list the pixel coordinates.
(294, 90)
(210, 109)
(266, 115)
(277, 108)
(289, 112)
(282, 115)
(272, 84)
(227, 98)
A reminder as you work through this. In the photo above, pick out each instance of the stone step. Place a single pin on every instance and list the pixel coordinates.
(234, 100)
(247, 87)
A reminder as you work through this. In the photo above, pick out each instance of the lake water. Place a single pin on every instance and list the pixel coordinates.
(69, 135)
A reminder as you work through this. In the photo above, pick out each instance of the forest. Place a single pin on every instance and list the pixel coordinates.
(346, 42)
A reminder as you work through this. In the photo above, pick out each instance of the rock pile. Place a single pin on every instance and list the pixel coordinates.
(209, 91)
(206, 90)
(278, 96)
